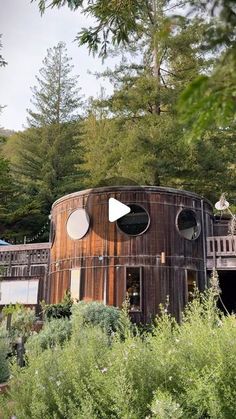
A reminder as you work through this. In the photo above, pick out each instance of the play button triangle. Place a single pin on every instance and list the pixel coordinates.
(117, 209)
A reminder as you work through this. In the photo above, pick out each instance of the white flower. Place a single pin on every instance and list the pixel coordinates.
(104, 370)
(58, 383)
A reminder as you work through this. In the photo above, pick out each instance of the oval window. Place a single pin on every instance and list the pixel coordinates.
(188, 225)
(136, 222)
(78, 224)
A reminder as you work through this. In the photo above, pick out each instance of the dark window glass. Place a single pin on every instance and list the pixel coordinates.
(133, 288)
(188, 225)
(134, 223)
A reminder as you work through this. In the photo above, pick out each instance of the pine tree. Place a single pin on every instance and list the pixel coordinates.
(56, 99)
(143, 139)
(137, 132)
(46, 157)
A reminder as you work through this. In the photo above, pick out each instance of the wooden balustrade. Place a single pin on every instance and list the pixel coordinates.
(221, 246)
(24, 260)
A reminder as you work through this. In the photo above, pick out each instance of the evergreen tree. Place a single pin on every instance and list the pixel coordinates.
(48, 163)
(45, 158)
(56, 99)
(2, 64)
(143, 139)
(136, 132)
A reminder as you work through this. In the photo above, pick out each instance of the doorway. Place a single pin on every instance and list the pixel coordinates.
(227, 282)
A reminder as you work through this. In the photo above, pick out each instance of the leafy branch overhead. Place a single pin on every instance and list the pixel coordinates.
(2, 61)
(210, 99)
(118, 22)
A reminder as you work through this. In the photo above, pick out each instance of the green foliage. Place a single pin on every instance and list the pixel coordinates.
(56, 100)
(45, 165)
(7, 190)
(57, 311)
(44, 160)
(54, 332)
(182, 370)
(209, 101)
(164, 407)
(135, 131)
(4, 350)
(139, 131)
(95, 314)
(22, 320)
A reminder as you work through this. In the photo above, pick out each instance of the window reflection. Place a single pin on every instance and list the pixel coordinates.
(133, 287)
(134, 223)
(188, 225)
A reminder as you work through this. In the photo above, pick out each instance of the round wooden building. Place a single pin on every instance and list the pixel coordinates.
(154, 253)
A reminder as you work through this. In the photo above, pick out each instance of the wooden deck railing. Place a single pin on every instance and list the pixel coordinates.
(20, 254)
(24, 260)
(221, 246)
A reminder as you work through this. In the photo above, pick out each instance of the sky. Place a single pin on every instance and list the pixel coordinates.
(25, 38)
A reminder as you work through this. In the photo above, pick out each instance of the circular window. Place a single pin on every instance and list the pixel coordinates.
(136, 222)
(78, 224)
(188, 224)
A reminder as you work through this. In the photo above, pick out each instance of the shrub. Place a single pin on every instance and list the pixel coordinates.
(4, 350)
(22, 320)
(95, 313)
(164, 407)
(58, 311)
(63, 381)
(54, 332)
(185, 370)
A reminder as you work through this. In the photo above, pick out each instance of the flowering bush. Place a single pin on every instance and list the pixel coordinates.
(185, 370)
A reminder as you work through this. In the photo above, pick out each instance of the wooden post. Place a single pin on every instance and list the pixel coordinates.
(9, 317)
(20, 350)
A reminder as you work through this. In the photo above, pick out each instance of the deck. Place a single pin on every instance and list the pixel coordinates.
(25, 260)
(221, 252)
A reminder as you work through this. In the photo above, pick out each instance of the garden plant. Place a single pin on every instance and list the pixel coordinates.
(178, 370)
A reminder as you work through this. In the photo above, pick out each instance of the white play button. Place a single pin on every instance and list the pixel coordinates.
(117, 209)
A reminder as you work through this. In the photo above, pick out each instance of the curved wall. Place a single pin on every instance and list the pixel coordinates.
(161, 260)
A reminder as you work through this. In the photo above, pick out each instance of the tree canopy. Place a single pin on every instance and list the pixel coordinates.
(45, 158)
(56, 98)
(169, 121)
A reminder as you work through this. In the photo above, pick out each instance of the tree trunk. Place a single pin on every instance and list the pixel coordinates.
(157, 76)
(156, 64)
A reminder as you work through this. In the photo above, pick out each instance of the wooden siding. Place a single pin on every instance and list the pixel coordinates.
(104, 252)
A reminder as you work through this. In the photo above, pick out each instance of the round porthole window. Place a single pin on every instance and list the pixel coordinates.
(78, 224)
(136, 222)
(188, 224)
